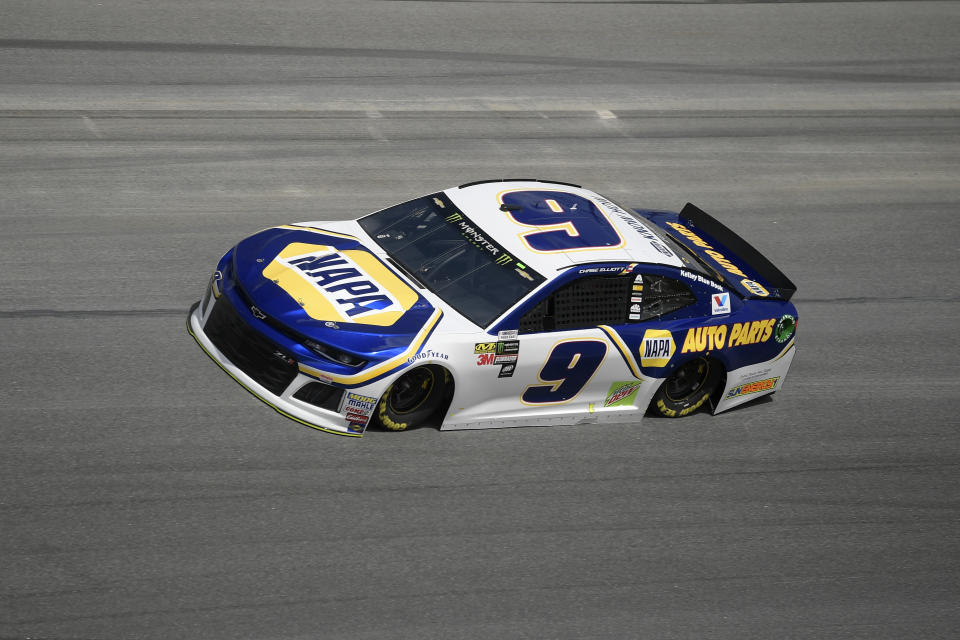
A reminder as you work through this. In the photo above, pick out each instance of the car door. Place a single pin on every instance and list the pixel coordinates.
(568, 363)
(662, 307)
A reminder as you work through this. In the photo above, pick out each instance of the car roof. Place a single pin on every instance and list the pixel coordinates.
(481, 202)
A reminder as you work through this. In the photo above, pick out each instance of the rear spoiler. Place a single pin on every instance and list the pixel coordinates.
(739, 265)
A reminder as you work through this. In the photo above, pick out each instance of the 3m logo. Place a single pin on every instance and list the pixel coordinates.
(331, 284)
(657, 348)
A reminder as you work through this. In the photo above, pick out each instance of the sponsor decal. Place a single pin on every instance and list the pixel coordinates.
(501, 352)
(524, 274)
(333, 285)
(754, 287)
(485, 347)
(786, 325)
(696, 277)
(719, 303)
(357, 409)
(657, 348)
(718, 257)
(355, 400)
(727, 335)
(753, 387)
(508, 335)
(507, 369)
(476, 238)
(622, 394)
(636, 298)
(428, 354)
(508, 346)
(629, 220)
(629, 268)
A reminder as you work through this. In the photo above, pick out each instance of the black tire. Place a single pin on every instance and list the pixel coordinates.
(412, 398)
(687, 389)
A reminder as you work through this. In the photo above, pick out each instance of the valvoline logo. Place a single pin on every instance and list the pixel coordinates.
(347, 285)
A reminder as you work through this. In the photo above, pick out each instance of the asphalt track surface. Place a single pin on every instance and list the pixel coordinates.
(143, 494)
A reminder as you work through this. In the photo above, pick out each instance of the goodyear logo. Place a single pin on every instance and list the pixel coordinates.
(350, 285)
(657, 348)
(753, 387)
(726, 336)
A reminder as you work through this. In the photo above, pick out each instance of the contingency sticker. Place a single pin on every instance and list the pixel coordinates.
(500, 352)
(622, 394)
(636, 298)
(358, 409)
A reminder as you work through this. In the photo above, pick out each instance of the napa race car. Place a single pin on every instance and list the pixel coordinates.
(496, 304)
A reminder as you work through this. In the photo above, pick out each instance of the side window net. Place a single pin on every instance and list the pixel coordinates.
(586, 302)
(663, 295)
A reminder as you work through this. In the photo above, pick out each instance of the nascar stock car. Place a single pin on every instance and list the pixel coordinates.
(499, 303)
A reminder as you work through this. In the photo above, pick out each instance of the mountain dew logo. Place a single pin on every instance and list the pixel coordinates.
(785, 328)
(622, 394)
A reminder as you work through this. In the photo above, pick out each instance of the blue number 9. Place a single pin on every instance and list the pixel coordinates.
(565, 221)
(568, 369)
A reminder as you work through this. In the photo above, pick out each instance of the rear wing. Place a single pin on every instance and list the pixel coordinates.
(736, 262)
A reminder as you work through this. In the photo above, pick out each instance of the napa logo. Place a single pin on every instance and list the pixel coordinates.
(340, 285)
(657, 348)
(754, 287)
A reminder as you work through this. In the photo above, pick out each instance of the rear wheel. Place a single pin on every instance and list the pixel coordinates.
(687, 388)
(412, 398)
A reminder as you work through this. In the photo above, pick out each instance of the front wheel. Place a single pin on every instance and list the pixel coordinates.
(412, 398)
(687, 388)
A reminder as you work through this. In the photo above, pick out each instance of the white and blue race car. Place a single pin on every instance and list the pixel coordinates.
(499, 303)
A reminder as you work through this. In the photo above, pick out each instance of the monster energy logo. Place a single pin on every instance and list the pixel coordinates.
(477, 239)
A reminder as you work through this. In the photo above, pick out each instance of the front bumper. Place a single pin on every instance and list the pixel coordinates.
(268, 373)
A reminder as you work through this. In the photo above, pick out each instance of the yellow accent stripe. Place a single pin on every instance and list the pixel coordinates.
(383, 367)
(789, 346)
(624, 349)
(314, 230)
(264, 400)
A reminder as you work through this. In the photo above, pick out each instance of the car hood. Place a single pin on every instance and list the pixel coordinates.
(328, 286)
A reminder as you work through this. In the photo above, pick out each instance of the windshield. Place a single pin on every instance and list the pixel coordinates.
(452, 256)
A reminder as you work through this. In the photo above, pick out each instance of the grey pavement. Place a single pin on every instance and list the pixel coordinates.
(143, 494)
